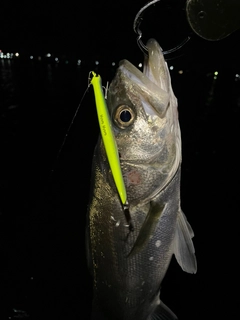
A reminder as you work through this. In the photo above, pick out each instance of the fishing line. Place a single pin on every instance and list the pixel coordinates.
(68, 130)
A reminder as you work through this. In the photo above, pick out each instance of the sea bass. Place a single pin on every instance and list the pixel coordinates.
(129, 266)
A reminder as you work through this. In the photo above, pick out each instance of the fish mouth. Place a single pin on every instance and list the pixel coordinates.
(153, 83)
(155, 66)
(144, 113)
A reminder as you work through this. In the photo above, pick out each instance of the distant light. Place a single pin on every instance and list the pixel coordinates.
(8, 55)
(79, 62)
(4, 56)
(1, 55)
(31, 57)
(48, 55)
(113, 64)
(17, 54)
(216, 73)
(96, 62)
(237, 77)
(56, 59)
(140, 65)
(171, 67)
(180, 71)
(66, 61)
(39, 58)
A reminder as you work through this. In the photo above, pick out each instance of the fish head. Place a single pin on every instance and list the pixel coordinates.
(143, 109)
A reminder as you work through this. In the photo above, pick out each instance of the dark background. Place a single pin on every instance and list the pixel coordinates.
(42, 214)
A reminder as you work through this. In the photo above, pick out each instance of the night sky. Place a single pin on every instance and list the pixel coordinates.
(65, 25)
(103, 29)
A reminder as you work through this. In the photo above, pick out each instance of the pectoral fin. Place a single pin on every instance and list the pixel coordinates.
(183, 246)
(148, 226)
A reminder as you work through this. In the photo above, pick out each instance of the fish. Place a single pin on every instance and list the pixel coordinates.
(128, 266)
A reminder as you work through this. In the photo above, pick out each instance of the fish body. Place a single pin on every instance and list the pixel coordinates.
(129, 266)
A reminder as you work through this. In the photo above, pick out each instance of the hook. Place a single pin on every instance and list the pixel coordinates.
(137, 21)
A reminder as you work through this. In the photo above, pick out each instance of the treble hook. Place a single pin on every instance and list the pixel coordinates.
(137, 21)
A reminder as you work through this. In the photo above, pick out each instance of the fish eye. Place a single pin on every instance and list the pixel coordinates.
(124, 116)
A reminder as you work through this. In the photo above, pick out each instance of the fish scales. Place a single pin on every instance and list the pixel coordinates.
(129, 266)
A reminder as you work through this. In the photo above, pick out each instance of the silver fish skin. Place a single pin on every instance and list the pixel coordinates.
(129, 266)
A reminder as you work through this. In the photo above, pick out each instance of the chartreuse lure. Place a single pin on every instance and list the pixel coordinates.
(110, 143)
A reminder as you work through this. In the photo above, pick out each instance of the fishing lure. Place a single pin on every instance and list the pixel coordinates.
(110, 143)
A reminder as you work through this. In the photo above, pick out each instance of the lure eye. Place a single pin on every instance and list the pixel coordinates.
(124, 116)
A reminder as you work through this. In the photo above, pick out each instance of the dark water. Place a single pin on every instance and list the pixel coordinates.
(42, 217)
